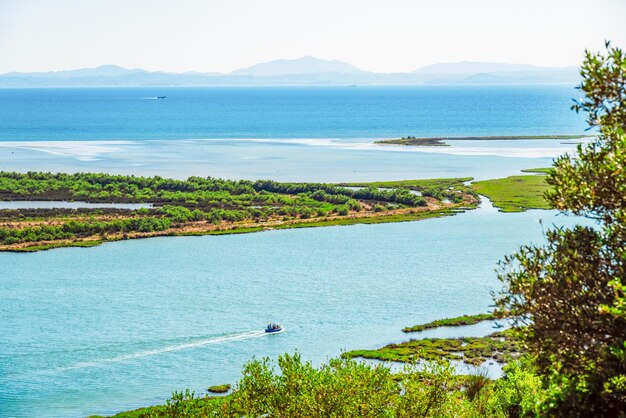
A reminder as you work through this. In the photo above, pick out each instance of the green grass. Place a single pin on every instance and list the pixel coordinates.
(545, 170)
(219, 388)
(451, 322)
(516, 193)
(500, 346)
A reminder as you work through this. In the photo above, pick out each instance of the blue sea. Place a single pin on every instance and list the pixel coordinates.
(285, 112)
(105, 329)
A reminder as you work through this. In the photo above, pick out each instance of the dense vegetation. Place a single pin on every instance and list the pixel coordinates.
(203, 202)
(452, 189)
(516, 193)
(571, 293)
(346, 388)
(206, 192)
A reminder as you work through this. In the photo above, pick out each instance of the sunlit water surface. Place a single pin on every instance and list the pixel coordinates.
(122, 325)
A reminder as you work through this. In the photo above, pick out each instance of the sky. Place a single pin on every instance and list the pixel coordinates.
(224, 35)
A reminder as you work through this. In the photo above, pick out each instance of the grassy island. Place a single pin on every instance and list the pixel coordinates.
(500, 346)
(516, 193)
(202, 206)
(414, 141)
(439, 141)
(451, 322)
(219, 388)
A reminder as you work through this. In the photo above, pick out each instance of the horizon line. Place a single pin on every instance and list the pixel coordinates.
(332, 60)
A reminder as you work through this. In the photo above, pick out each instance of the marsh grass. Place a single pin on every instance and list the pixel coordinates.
(516, 193)
(451, 322)
(501, 346)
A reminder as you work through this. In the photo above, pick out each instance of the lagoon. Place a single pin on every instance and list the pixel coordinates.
(122, 325)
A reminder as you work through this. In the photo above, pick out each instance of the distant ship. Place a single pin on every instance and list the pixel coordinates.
(161, 97)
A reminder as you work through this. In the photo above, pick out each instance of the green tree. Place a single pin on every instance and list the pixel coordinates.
(570, 292)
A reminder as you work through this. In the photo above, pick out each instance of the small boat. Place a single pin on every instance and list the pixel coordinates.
(273, 327)
(161, 97)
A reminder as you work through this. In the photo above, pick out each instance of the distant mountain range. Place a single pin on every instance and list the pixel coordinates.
(303, 71)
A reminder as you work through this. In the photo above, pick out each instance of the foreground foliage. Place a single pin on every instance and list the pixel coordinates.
(346, 388)
(571, 293)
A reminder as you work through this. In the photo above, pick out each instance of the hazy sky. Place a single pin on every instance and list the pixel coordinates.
(385, 35)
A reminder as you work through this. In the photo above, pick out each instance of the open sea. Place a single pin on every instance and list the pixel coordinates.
(105, 329)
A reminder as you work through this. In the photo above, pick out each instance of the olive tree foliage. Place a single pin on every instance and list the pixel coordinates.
(293, 388)
(570, 293)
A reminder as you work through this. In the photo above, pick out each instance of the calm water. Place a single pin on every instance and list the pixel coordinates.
(122, 325)
(288, 134)
(328, 160)
(283, 112)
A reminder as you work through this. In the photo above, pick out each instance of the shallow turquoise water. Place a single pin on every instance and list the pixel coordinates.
(119, 326)
(326, 160)
(122, 325)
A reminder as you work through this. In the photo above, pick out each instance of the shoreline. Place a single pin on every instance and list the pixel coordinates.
(439, 141)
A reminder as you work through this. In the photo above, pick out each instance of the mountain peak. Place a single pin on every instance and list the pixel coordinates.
(304, 65)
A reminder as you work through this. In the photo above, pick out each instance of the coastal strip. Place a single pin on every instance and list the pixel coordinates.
(439, 141)
(204, 206)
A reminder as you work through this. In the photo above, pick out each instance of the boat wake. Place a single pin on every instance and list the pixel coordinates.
(167, 349)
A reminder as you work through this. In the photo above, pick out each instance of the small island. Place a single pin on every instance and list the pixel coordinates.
(439, 141)
(501, 346)
(219, 388)
(451, 322)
